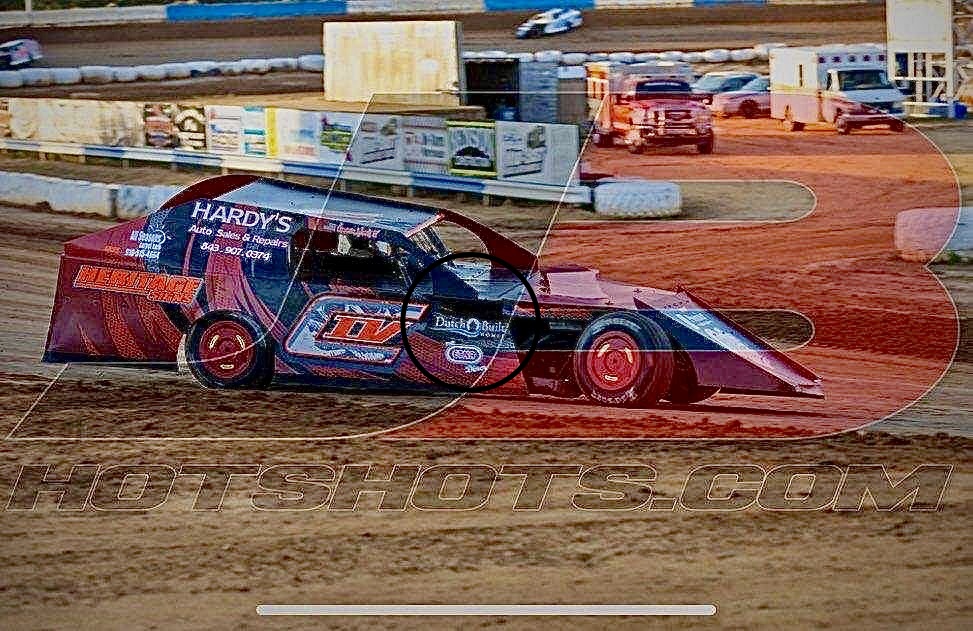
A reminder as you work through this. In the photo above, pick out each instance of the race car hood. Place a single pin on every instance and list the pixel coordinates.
(710, 336)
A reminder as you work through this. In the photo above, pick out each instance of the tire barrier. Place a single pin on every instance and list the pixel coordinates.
(32, 77)
(919, 234)
(638, 199)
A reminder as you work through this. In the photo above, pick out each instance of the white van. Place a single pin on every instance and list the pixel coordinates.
(846, 86)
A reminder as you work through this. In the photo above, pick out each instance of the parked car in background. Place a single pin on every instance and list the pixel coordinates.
(19, 53)
(713, 83)
(750, 101)
(550, 22)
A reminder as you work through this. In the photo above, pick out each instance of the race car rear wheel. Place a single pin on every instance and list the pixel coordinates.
(623, 359)
(229, 350)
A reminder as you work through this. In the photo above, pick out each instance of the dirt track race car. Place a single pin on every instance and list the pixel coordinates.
(266, 279)
(19, 53)
(550, 22)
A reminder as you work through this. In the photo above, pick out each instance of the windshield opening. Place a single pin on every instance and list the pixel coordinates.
(710, 82)
(653, 89)
(863, 80)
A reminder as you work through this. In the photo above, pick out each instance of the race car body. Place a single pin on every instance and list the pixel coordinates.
(550, 22)
(19, 53)
(750, 101)
(264, 279)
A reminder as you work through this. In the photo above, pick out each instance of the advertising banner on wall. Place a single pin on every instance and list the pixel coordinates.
(472, 148)
(224, 129)
(116, 124)
(254, 131)
(174, 126)
(378, 143)
(296, 134)
(337, 132)
(425, 143)
(537, 152)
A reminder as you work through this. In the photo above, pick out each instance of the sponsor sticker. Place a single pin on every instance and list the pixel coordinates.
(156, 287)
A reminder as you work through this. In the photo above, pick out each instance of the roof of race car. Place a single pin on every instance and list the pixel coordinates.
(333, 206)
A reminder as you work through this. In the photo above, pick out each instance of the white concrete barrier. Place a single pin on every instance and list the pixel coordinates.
(283, 64)
(10, 79)
(763, 50)
(65, 76)
(96, 74)
(622, 57)
(255, 66)
(638, 199)
(202, 68)
(920, 233)
(549, 56)
(124, 74)
(743, 54)
(311, 63)
(131, 201)
(150, 72)
(79, 196)
(573, 59)
(177, 70)
(716, 55)
(36, 76)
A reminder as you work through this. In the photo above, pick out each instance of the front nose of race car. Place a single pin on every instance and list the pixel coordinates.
(728, 356)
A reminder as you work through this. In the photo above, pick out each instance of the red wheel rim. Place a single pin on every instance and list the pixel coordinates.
(614, 361)
(226, 349)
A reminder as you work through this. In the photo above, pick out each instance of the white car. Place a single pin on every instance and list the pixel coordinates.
(550, 22)
(19, 53)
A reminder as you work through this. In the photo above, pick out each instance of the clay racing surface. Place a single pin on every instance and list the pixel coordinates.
(878, 320)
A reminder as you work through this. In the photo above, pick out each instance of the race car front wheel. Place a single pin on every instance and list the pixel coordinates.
(623, 359)
(229, 350)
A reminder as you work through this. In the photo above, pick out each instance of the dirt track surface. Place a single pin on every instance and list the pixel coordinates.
(173, 567)
(836, 265)
(632, 30)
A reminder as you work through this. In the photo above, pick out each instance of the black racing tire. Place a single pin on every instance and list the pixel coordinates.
(230, 350)
(611, 366)
(748, 109)
(706, 147)
(684, 388)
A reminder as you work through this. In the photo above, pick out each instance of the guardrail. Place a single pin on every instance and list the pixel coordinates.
(577, 194)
